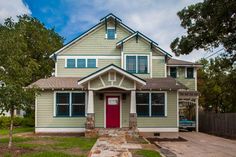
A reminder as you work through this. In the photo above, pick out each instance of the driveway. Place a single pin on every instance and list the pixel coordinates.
(200, 144)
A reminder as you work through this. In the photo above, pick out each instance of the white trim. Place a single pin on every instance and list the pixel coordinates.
(177, 104)
(122, 60)
(102, 81)
(195, 77)
(165, 70)
(166, 107)
(105, 109)
(116, 69)
(59, 130)
(185, 72)
(177, 72)
(111, 86)
(150, 60)
(55, 68)
(36, 111)
(158, 129)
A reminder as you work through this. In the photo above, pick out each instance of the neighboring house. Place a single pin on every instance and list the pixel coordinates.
(114, 77)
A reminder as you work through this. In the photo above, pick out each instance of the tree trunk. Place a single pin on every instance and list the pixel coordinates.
(11, 128)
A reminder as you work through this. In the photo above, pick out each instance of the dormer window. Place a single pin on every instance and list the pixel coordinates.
(111, 33)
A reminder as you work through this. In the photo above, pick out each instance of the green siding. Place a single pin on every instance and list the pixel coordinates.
(138, 47)
(95, 43)
(125, 111)
(45, 103)
(169, 121)
(99, 111)
(190, 83)
(158, 67)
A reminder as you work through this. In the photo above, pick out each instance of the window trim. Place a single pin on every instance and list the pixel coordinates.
(106, 34)
(136, 55)
(186, 73)
(150, 103)
(86, 62)
(70, 104)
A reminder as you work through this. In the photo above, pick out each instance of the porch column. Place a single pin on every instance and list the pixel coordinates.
(197, 114)
(133, 114)
(90, 123)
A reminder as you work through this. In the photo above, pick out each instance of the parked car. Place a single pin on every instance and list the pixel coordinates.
(184, 123)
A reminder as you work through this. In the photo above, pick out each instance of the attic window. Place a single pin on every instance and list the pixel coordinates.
(111, 33)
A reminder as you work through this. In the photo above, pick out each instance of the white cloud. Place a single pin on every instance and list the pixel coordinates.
(12, 8)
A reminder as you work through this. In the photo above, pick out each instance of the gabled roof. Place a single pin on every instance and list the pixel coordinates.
(176, 62)
(115, 68)
(92, 29)
(137, 33)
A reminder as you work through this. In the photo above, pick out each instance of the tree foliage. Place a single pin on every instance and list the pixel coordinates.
(217, 84)
(209, 24)
(25, 47)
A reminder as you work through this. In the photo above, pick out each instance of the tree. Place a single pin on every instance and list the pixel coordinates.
(209, 24)
(25, 47)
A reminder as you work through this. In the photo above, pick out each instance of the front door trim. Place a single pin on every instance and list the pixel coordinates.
(120, 97)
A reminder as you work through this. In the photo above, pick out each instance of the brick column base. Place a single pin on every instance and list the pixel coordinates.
(133, 121)
(90, 130)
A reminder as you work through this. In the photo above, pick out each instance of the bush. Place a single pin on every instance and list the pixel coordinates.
(17, 122)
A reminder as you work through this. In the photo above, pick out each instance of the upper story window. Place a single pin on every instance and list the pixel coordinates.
(111, 33)
(70, 63)
(190, 72)
(137, 64)
(81, 63)
(173, 72)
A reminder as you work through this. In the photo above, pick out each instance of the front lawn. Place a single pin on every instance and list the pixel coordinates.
(147, 153)
(46, 146)
(16, 130)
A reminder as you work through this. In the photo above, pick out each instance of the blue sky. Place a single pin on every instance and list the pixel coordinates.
(155, 18)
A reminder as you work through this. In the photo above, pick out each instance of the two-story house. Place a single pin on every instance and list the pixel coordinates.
(114, 77)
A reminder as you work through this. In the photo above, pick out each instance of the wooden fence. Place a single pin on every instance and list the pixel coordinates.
(220, 124)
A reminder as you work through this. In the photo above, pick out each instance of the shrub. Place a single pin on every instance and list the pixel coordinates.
(17, 122)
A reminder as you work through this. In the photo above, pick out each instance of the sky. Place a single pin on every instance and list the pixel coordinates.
(156, 19)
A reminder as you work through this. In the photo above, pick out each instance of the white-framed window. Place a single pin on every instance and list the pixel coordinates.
(189, 72)
(70, 104)
(112, 76)
(81, 63)
(151, 104)
(111, 33)
(137, 64)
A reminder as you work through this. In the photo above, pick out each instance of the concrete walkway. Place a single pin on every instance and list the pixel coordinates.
(112, 143)
(200, 144)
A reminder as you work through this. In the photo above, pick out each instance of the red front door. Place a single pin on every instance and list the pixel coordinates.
(112, 111)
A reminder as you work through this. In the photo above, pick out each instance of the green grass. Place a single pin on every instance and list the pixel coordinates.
(15, 139)
(28, 145)
(72, 142)
(16, 130)
(48, 154)
(148, 153)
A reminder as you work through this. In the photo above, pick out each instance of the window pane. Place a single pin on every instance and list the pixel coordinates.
(62, 98)
(173, 72)
(81, 63)
(131, 64)
(158, 98)
(158, 110)
(91, 63)
(142, 64)
(78, 104)
(111, 33)
(189, 72)
(78, 98)
(142, 98)
(62, 102)
(70, 63)
(142, 110)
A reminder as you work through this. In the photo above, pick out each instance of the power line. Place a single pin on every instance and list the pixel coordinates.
(214, 53)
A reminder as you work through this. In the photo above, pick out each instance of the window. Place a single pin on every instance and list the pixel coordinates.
(137, 64)
(70, 104)
(111, 33)
(78, 104)
(151, 104)
(142, 101)
(142, 64)
(158, 104)
(70, 63)
(62, 104)
(173, 72)
(91, 63)
(81, 63)
(131, 64)
(190, 72)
